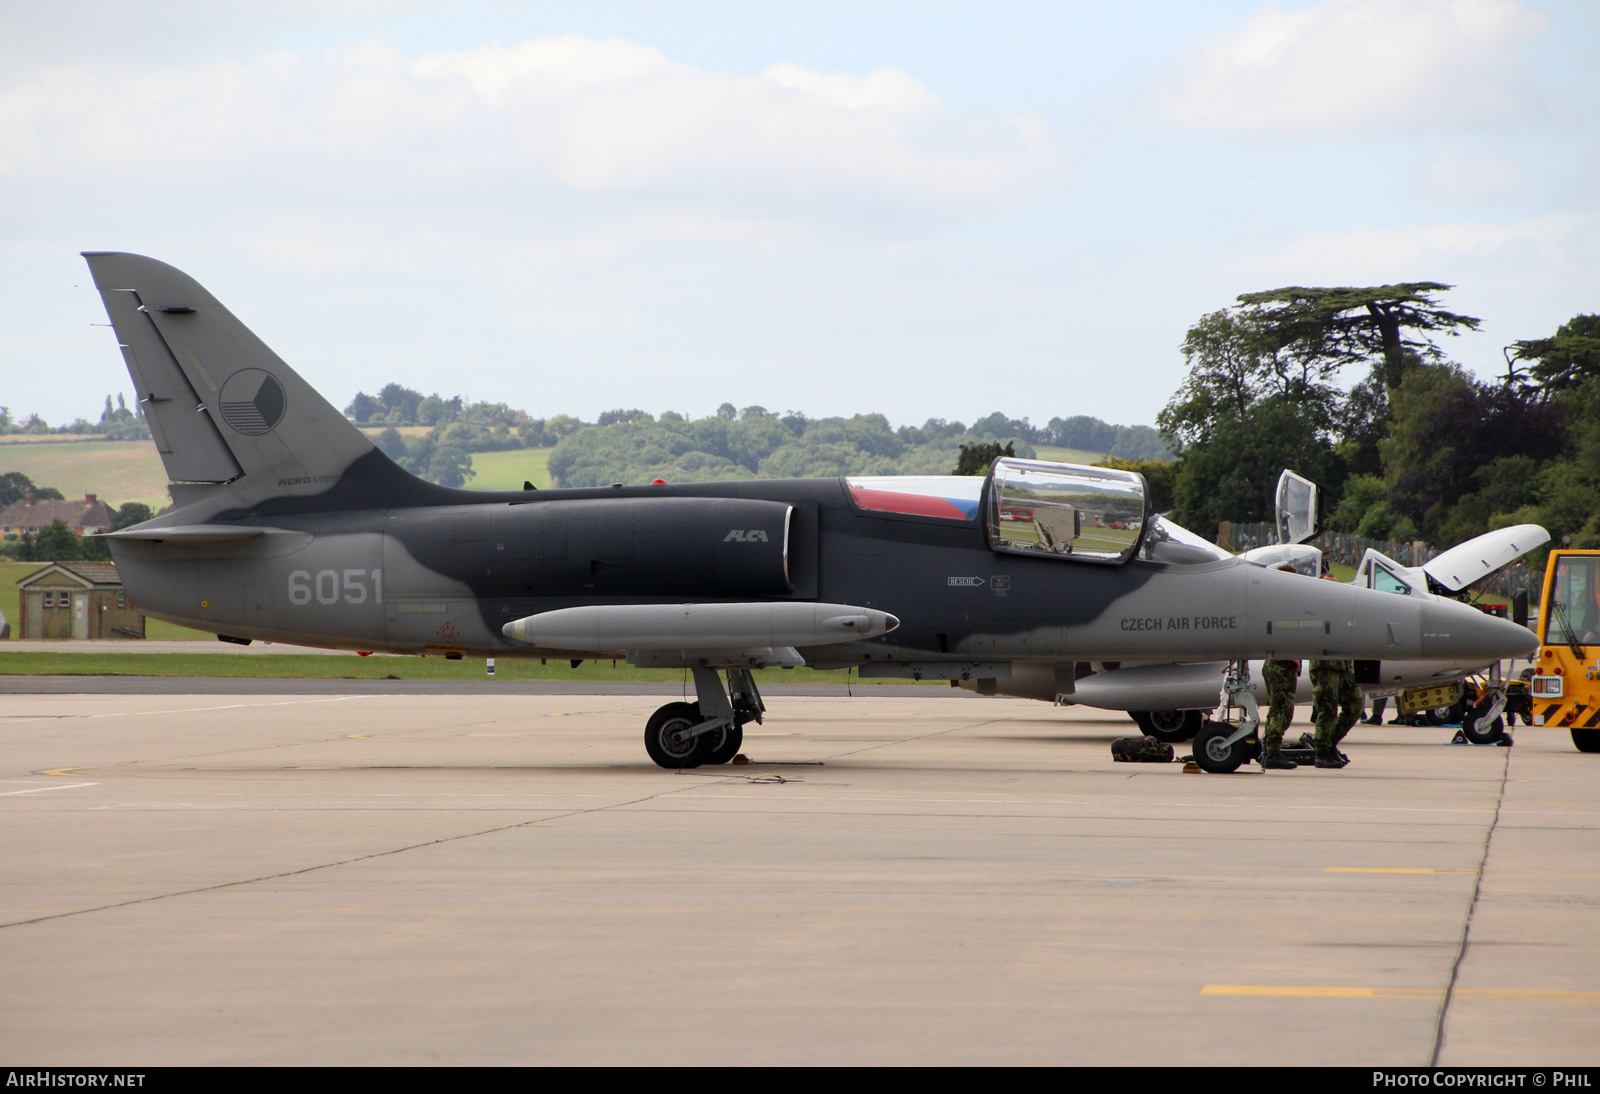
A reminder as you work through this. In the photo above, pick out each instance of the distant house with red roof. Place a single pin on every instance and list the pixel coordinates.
(32, 515)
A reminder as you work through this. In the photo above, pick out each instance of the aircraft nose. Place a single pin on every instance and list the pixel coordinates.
(1455, 632)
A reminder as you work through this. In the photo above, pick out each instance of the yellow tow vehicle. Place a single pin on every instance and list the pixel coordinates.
(1566, 686)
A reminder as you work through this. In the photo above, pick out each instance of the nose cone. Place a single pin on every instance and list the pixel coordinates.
(1455, 632)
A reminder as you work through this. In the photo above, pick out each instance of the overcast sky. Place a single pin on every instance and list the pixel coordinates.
(929, 210)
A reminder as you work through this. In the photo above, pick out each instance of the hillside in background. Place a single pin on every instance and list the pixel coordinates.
(488, 446)
(443, 440)
(115, 471)
(755, 443)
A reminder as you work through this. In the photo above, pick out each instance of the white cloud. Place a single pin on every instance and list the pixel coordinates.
(1378, 255)
(1373, 65)
(570, 114)
(1458, 176)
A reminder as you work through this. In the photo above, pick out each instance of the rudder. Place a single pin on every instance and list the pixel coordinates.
(224, 409)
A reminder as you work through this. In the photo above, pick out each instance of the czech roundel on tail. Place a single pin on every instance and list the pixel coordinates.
(290, 526)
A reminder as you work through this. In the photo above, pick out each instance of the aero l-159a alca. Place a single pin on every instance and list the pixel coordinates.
(1170, 701)
(290, 526)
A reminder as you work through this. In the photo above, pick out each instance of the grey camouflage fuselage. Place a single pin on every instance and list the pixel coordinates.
(291, 526)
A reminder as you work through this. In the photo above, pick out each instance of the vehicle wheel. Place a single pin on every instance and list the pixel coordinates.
(1586, 740)
(725, 744)
(1214, 756)
(1172, 726)
(664, 736)
(1441, 716)
(1496, 730)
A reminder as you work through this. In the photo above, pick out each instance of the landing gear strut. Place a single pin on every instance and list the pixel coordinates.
(710, 731)
(1226, 746)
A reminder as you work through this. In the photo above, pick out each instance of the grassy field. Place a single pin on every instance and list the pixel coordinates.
(1067, 455)
(507, 470)
(115, 471)
(345, 667)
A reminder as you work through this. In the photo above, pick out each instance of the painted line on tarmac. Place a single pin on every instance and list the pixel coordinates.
(180, 710)
(1391, 870)
(1501, 995)
(42, 789)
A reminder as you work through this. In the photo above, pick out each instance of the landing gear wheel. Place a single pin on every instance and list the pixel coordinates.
(665, 736)
(1586, 740)
(724, 744)
(1172, 726)
(1496, 730)
(1214, 756)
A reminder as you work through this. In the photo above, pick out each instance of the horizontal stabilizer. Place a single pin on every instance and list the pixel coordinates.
(698, 626)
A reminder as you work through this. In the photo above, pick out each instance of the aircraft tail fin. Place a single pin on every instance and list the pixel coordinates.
(225, 411)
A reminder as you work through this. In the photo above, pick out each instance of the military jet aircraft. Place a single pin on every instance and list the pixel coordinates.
(290, 526)
(1169, 701)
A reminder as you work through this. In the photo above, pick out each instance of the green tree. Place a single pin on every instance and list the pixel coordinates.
(449, 466)
(57, 543)
(978, 457)
(1344, 326)
(1452, 439)
(1566, 358)
(1233, 476)
(1236, 360)
(131, 513)
(14, 486)
(391, 443)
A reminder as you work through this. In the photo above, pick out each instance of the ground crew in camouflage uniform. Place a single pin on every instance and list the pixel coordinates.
(1335, 701)
(1335, 706)
(1281, 678)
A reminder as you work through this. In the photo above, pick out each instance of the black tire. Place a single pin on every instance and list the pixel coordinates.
(1442, 716)
(661, 738)
(1586, 740)
(1172, 726)
(1213, 756)
(1496, 730)
(725, 744)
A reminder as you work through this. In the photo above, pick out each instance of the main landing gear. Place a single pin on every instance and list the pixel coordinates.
(710, 731)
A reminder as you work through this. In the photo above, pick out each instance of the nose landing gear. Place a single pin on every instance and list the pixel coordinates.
(710, 731)
(1225, 746)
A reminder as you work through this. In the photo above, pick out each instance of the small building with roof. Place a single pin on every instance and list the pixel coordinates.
(32, 514)
(77, 600)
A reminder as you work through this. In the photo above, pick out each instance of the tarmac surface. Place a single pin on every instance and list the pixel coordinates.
(306, 877)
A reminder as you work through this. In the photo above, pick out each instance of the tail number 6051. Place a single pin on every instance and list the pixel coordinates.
(331, 586)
